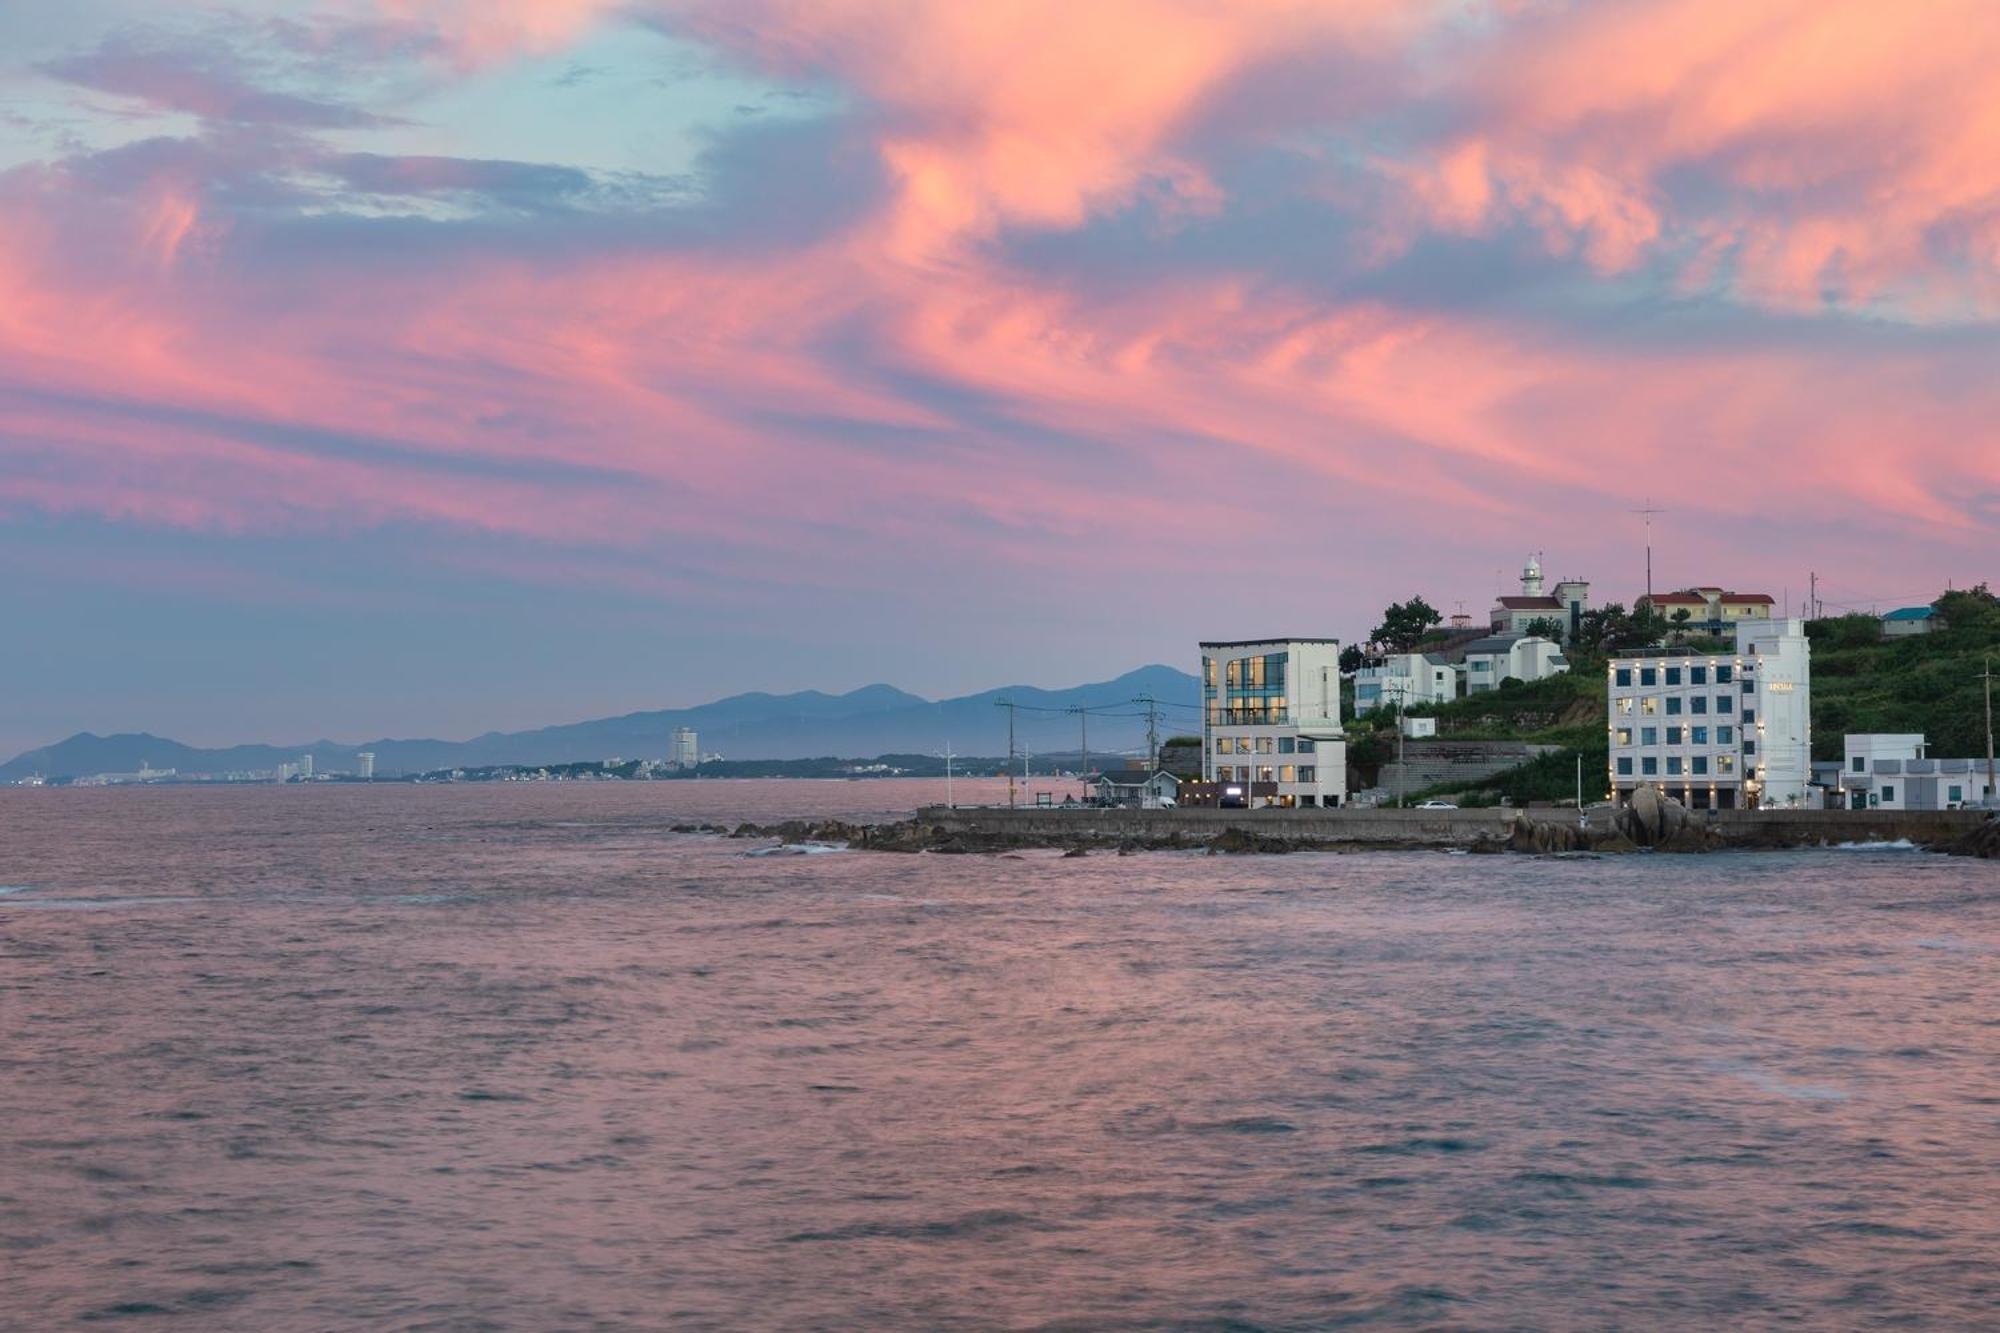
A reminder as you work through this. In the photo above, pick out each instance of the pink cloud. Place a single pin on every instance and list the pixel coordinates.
(903, 378)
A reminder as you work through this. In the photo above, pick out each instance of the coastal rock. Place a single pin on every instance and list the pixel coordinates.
(1652, 818)
(1983, 842)
(1236, 841)
(1614, 844)
(1528, 835)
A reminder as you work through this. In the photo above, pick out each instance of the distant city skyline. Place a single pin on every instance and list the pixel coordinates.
(416, 367)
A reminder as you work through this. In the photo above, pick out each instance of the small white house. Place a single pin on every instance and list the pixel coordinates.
(1406, 678)
(1525, 657)
(1893, 771)
(1908, 622)
(1136, 787)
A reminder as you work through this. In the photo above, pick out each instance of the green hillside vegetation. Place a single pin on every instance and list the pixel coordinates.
(1928, 683)
(1860, 681)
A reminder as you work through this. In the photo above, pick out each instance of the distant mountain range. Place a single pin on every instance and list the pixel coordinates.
(876, 719)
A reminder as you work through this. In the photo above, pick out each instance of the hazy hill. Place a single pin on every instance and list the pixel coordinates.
(875, 719)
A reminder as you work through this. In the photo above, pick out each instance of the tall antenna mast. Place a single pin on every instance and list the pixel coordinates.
(1647, 513)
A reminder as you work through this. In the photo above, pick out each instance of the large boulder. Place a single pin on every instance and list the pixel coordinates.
(1652, 818)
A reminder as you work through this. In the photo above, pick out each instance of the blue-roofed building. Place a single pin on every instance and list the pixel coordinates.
(1909, 621)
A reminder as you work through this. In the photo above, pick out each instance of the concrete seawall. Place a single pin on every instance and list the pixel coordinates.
(1084, 826)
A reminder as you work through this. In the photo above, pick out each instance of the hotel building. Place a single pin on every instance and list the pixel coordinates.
(1271, 720)
(1716, 732)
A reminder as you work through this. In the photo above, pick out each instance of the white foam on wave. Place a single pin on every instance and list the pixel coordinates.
(796, 849)
(87, 904)
(1899, 845)
(9, 890)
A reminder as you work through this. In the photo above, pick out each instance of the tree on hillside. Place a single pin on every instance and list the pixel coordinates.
(1404, 624)
(1968, 608)
(1351, 658)
(1610, 629)
(1548, 627)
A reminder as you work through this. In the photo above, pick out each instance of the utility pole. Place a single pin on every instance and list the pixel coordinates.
(1008, 704)
(1647, 512)
(1083, 721)
(1992, 787)
(1152, 733)
(1402, 768)
(1812, 597)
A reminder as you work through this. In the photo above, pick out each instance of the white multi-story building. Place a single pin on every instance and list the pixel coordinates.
(1408, 678)
(1523, 656)
(687, 748)
(1715, 731)
(1271, 720)
(364, 764)
(1882, 771)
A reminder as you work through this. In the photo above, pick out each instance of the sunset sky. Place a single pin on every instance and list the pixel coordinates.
(428, 366)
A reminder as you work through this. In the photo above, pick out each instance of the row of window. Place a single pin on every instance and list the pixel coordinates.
(1266, 773)
(1679, 735)
(1675, 705)
(1263, 745)
(1695, 675)
(1249, 713)
(1248, 673)
(1693, 765)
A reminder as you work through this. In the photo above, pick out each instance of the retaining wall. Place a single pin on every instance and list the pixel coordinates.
(1424, 828)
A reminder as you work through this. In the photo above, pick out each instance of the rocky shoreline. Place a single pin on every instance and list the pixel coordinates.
(1652, 823)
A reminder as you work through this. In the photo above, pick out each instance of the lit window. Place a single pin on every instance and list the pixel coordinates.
(1725, 763)
(1286, 773)
(1624, 735)
(1649, 707)
(1625, 707)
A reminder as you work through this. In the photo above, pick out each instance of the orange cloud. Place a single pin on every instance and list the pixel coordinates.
(1851, 149)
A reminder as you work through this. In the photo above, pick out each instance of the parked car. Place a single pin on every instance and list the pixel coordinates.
(1437, 805)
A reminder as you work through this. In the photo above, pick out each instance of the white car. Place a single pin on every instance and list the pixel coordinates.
(1437, 805)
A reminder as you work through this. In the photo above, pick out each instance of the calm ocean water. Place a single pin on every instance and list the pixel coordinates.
(518, 1057)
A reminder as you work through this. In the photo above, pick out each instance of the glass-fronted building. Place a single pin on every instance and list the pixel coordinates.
(1271, 720)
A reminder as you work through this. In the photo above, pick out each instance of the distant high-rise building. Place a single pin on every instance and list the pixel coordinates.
(687, 748)
(305, 765)
(364, 764)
